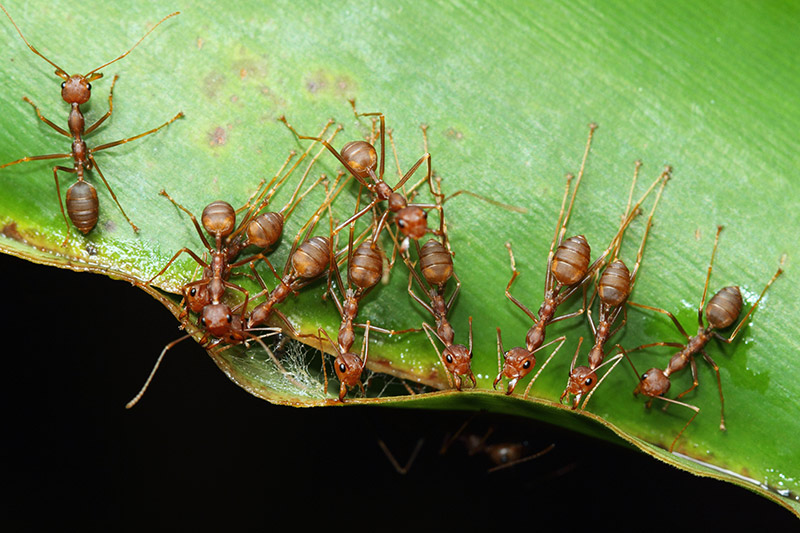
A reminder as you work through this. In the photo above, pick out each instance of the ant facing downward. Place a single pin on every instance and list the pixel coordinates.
(721, 312)
(613, 289)
(361, 160)
(81, 197)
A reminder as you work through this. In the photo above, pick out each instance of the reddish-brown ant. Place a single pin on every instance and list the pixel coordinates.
(81, 198)
(306, 262)
(613, 290)
(262, 231)
(361, 160)
(722, 310)
(567, 268)
(348, 365)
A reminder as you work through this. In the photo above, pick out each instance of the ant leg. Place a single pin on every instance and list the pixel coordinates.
(508, 207)
(59, 129)
(60, 202)
(592, 128)
(571, 368)
(191, 216)
(536, 455)
(689, 406)
(174, 257)
(708, 277)
(139, 395)
(129, 139)
(102, 119)
(719, 386)
(695, 383)
(114, 196)
(500, 355)
(616, 359)
(38, 158)
(650, 345)
(670, 315)
(560, 341)
(404, 469)
(511, 282)
(428, 330)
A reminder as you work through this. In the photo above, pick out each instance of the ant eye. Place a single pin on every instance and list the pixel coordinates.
(470, 355)
(449, 358)
(63, 84)
(89, 86)
(203, 321)
(526, 364)
(401, 223)
(229, 318)
(193, 291)
(588, 382)
(425, 214)
(644, 376)
(342, 368)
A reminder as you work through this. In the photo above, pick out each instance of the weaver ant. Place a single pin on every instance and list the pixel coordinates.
(613, 289)
(569, 268)
(721, 312)
(81, 197)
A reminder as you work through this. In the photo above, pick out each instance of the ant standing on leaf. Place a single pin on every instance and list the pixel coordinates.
(81, 198)
(721, 312)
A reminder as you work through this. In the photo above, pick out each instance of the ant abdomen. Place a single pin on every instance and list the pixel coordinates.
(361, 156)
(82, 206)
(265, 230)
(435, 262)
(571, 260)
(219, 218)
(312, 257)
(615, 284)
(366, 266)
(724, 307)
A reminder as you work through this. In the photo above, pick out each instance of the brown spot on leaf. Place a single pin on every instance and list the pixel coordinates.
(10, 231)
(453, 133)
(212, 84)
(199, 43)
(218, 137)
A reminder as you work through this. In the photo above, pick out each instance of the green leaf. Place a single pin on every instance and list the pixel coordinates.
(507, 95)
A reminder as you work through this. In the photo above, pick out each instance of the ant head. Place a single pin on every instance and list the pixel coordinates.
(457, 359)
(217, 319)
(312, 257)
(76, 89)
(219, 218)
(412, 221)
(361, 157)
(518, 362)
(571, 260)
(348, 368)
(196, 297)
(724, 307)
(615, 284)
(582, 379)
(654, 383)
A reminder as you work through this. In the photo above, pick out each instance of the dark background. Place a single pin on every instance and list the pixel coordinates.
(201, 453)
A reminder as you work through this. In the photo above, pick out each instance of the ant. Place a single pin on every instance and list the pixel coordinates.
(567, 268)
(81, 197)
(723, 309)
(360, 159)
(613, 289)
(436, 265)
(305, 263)
(263, 230)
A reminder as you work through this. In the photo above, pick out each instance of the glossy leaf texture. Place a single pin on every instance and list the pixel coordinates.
(507, 94)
